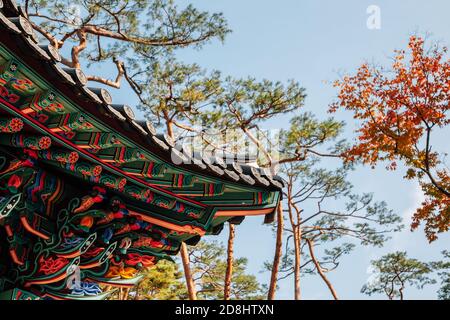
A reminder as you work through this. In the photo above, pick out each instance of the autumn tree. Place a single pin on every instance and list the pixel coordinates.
(394, 272)
(400, 110)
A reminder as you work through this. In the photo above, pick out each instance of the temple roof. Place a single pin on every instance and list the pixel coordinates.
(84, 119)
(45, 59)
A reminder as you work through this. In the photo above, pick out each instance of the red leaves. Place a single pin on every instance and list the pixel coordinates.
(435, 210)
(398, 110)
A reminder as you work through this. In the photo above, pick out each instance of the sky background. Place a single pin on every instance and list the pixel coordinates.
(313, 41)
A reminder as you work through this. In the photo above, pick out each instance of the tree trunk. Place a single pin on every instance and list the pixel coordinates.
(229, 271)
(187, 272)
(401, 292)
(296, 230)
(320, 271)
(297, 248)
(170, 130)
(277, 255)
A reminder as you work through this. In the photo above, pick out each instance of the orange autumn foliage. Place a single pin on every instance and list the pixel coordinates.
(398, 110)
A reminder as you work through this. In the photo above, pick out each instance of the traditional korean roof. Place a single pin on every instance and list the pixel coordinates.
(74, 134)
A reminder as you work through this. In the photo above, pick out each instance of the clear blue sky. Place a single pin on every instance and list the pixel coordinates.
(311, 41)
